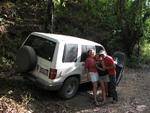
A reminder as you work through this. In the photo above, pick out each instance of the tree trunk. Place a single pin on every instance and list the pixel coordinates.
(130, 31)
(49, 23)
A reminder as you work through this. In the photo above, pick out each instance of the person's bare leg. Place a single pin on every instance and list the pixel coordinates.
(95, 91)
(106, 88)
(103, 91)
(100, 91)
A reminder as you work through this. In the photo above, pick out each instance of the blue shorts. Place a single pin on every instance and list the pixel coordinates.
(104, 78)
(94, 76)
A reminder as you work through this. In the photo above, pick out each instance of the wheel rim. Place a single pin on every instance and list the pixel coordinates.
(71, 87)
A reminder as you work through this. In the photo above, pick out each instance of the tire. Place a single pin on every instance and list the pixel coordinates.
(26, 59)
(121, 59)
(69, 88)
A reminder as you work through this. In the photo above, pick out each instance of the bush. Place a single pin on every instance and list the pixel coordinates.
(5, 64)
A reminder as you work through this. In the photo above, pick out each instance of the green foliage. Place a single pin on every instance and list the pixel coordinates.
(134, 62)
(143, 58)
(6, 64)
(145, 52)
(115, 24)
(147, 30)
(26, 98)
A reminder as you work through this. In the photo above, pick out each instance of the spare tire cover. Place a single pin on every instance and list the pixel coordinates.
(26, 59)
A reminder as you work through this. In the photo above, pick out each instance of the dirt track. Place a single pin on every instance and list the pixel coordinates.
(133, 91)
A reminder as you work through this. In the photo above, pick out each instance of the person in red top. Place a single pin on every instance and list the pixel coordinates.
(90, 66)
(109, 65)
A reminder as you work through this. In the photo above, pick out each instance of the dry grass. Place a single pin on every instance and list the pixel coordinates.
(8, 105)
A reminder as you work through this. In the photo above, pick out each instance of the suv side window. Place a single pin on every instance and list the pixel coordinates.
(43, 47)
(99, 48)
(84, 50)
(70, 53)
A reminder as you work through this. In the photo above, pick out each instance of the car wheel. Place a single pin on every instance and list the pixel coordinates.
(69, 88)
(26, 59)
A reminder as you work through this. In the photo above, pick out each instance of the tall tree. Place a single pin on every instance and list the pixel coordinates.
(49, 21)
(129, 19)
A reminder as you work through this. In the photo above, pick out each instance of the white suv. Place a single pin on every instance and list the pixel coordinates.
(55, 62)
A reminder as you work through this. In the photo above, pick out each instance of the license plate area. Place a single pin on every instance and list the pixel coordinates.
(43, 71)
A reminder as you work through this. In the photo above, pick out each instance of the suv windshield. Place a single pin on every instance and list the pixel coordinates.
(43, 47)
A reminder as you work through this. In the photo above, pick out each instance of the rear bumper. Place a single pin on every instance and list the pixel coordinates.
(43, 84)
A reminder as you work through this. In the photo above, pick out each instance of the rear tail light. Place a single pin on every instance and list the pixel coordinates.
(52, 73)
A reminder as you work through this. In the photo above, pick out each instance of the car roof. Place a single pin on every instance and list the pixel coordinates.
(66, 38)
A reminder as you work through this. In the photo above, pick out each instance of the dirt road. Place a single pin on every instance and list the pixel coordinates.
(133, 91)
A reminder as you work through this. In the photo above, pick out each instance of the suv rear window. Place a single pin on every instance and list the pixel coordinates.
(43, 47)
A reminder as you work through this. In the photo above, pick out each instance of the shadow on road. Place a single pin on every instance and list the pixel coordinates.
(42, 101)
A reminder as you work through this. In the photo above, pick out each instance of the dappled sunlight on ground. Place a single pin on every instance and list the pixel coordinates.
(133, 94)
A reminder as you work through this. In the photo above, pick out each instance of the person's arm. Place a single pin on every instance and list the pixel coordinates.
(97, 66)
(108, 67)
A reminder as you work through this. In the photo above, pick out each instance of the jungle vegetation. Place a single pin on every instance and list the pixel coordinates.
(119, 25)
